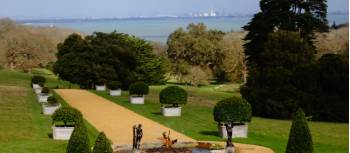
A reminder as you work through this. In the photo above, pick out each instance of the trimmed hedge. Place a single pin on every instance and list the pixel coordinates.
(114, 85)
(300, 139)
(102, 144)
(52, 101)
(66, 115)
(79, 140)
(45, 90)
(173, 95)
(38, 79)
(138, 88)
(233, 110)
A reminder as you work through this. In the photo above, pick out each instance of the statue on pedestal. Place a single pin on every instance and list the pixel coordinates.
(137, 136)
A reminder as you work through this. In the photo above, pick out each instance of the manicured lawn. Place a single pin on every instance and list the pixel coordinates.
(197, 121)
(23, 128)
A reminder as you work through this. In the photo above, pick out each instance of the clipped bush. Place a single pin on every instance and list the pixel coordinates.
(79, 140)
(173, 95)
(41, 84)
(52, 101)
(66, 115)
(233, 110)
(300, 140)
(102, 144)
(138, 88)
(36, 79)
(101, 82)
(45, 90)
(114, 85)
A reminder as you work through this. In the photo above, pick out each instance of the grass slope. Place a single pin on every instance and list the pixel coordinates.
(197, 122)
(23, 128)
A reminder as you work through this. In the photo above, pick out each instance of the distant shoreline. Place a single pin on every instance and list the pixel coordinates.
(65, 20)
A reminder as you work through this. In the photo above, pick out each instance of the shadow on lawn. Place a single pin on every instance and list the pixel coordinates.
(211, 133)
(157, 113)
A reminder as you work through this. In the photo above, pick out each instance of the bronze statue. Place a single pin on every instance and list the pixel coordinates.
(229, 128)
(137, 136)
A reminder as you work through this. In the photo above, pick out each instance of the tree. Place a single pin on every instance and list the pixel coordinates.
(102, 144)
(79, 140)
(196, 46)
(334, 80)
(113, 56)
(269, 89)
(300, 140)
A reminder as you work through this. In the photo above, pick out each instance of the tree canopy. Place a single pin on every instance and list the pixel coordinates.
(108, 56)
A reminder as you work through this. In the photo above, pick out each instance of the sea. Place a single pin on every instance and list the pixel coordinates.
(155, 29)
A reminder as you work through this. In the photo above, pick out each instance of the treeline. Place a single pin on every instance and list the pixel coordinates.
(25, 47)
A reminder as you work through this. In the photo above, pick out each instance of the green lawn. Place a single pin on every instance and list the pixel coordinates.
(23, 128)
(197, 121)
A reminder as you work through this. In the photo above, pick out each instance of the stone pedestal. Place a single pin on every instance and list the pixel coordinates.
(238, 131)
(115, 92)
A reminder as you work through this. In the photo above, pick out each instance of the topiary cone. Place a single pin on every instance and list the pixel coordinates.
(79, 140)
(300, 140)
(102, 144)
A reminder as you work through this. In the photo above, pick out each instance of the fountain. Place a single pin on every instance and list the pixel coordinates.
(169, 145)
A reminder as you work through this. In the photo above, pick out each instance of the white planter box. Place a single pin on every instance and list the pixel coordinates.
(38, 90)
(238, 131)
(42, 98)
(101, 87)
(115, 92)
(137, 100)
(49, 110)
(35, 86)
(61, 133)
(171, 111)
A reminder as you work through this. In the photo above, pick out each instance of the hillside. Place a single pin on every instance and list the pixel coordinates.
(25, 47)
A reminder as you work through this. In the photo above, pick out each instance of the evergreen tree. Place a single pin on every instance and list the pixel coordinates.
(79, 140)
(102, 144)
(300, 140)
(271, 58)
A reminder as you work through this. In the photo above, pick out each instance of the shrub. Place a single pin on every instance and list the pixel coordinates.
(114, 85)
(45, 90)
(102, 144)
(101, 82)
(36, 79)
(138, 88)
(52, 101)
(66, 115)
(300, 140)
(41, 84)
(79, 140)
(173, 95)
(233, 110)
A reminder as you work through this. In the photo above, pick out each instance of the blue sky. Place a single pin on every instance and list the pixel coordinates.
(125, 8)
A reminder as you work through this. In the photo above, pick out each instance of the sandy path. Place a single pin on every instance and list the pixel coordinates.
(117, 122)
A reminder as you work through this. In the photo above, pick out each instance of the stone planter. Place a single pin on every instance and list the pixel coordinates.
(34, 85)
(171, 111)
(49, 110)
(42, 98)
(101, 87)
(38, 90)
(61, 133)
(115, 92)
(137, 100)
(238, 131)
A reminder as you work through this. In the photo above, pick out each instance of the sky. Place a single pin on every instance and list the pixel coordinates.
(40, 9)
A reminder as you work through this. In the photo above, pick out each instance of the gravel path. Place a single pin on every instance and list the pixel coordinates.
(117, 121)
